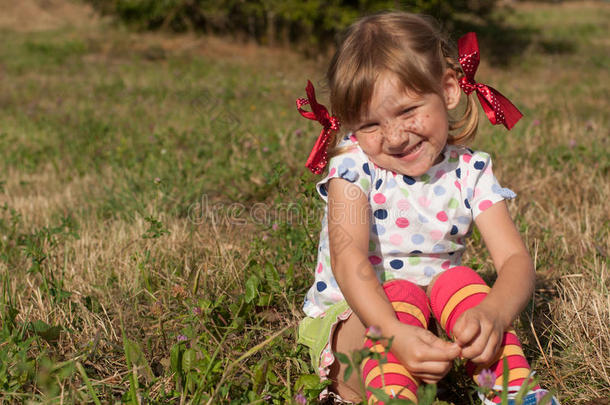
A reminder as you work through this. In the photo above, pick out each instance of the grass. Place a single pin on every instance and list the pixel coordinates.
(158, 229)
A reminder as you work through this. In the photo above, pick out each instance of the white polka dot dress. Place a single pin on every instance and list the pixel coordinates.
(418, 224)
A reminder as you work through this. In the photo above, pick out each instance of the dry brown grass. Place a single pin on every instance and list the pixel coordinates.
(43, 15)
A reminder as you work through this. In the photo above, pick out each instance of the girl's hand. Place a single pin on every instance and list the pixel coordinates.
(479, 333)
(422, 353)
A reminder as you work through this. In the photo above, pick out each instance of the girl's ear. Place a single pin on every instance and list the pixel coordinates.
(451, 89)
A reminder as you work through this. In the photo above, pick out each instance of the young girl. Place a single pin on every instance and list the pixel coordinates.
(402, 193)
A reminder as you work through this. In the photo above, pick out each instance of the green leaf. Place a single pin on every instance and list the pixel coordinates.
(525, 388)
(426, 394)
(251, 288)
(175, 358)
(260, 375)
(343, 358)
(272, 276)
(137, 358)
(46, 331)
(307, 381)
(504, 394)
(348, 372)
(264, 299)
(189, 357)
(379, 393)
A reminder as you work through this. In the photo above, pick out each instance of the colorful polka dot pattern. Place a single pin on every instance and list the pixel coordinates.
(418, 225)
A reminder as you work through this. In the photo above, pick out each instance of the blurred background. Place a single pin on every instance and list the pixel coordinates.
(158, 228)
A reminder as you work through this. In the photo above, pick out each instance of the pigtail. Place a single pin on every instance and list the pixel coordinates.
(468, 124)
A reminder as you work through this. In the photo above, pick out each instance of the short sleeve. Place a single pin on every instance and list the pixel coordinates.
(351, 165)
(483, 189)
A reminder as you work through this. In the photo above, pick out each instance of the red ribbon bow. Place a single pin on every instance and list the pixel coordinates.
(497, 107)
(318, 157)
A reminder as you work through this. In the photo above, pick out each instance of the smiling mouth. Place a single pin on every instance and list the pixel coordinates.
(411, 151)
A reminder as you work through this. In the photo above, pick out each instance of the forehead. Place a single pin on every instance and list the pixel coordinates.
(389, 93)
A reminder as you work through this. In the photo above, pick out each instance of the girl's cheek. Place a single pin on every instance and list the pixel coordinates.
(414, 124)
(374, 139)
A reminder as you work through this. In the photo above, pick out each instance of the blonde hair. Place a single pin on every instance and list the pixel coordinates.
(409, 45)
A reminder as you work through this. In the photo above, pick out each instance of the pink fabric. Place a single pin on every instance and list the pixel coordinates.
(460, 308)
(390, 378)
(448, 283)
(443, 289)
(404, 291)
(398, 291)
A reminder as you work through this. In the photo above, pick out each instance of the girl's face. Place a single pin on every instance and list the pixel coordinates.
(406, 132)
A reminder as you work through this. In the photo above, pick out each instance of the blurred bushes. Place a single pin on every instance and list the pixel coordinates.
(304, 22)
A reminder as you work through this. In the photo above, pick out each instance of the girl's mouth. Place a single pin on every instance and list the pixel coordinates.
(411, 152)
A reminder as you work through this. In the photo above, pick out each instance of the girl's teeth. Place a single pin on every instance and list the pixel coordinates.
(414, 149)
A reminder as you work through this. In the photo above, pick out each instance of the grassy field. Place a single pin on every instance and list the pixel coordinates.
(158, 229)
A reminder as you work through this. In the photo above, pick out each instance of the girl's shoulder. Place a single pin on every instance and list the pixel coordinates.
(463, 157)
(350, 163)
(348, 145)
(465, 152)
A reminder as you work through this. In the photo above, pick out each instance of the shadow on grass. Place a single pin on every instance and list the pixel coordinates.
(502, 45)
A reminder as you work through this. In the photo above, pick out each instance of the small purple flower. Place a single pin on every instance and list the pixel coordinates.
(197, 311)
(486, 379)
(265, 149)
(298, 132)
(182, 338)
(539, 395)
(572, 143)
(536, 123)
(373, 332)
(157, 180)
(274, 226)
(300, 399)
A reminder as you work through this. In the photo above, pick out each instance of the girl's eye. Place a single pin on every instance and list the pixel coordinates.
(368, 128)
(408, 110)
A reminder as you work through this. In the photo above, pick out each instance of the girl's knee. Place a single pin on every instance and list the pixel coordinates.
(348, 336)
(459, 275)
(403, 290)
(454, 290)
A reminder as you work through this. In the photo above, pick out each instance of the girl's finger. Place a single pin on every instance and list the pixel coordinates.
(429, 378)
(489, 351)
(465, 330)
(437, 368)
(440, 350)
(475, 348)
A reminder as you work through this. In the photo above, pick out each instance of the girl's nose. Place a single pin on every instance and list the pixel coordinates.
(395, 140)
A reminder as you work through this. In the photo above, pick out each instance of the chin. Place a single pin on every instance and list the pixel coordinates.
(416, 171)
(413, 173)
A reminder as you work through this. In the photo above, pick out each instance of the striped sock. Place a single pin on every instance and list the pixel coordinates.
(411, 306)
(459, 289)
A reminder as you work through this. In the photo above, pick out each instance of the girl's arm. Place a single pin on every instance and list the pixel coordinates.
(480, 332)
(425, 355)
(348, 228)
(516, 277)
